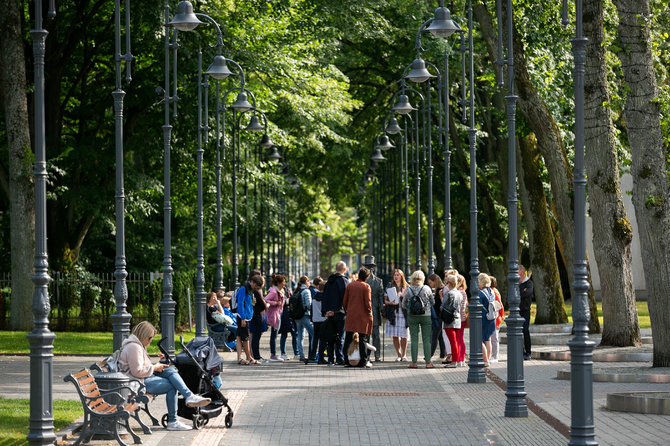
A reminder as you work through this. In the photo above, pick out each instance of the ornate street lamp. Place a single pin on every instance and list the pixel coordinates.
(184, 20)
(582, 429)
(515, 406)
(403, 107)
(120, 318)
(218, 70)
(41, 338)
(440, 25)
(476, 372)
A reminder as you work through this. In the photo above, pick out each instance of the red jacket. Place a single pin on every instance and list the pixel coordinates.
(358, 305)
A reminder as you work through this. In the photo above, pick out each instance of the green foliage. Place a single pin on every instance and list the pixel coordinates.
(324, 72)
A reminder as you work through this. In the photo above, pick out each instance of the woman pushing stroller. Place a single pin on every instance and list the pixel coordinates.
(158, 378)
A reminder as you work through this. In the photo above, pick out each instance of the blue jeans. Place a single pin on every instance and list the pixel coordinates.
(302, 324)
(168, 382)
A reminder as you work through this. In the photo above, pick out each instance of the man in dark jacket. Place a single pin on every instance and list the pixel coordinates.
(331, 307)
(527, 295)
(377, 289)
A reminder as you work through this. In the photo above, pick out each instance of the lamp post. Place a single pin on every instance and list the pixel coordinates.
(383, 144)
(582, 429)
(476, 365)
(120, 318)
(404, 107)
(41, 338)
(515, 406)
(218, 71)
(393, 128)
(419, 73)
(440, 25)
(184, 20)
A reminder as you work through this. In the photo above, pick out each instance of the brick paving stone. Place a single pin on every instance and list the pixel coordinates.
(291, 403)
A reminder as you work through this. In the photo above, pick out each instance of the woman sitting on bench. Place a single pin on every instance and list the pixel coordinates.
(158, 378)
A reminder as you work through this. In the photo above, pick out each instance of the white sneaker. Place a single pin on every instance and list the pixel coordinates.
(398, 359)
(368, 365)
(178, 426)
(296, 358)
(276, 359)
(283, 357)
(493, 361)
(403, 359)
(197, 401)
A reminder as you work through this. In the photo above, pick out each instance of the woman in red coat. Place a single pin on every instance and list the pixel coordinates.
(358, 305)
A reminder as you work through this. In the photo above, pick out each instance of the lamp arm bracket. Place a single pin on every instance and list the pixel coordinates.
(417, 42)
(219, 35)
(242, 81)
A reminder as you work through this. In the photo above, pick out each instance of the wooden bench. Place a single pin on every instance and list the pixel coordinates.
(99, 413)
(142, 397)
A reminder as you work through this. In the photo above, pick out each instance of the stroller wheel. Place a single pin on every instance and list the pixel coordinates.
(229, 420)
(198, 421)
(164, 421)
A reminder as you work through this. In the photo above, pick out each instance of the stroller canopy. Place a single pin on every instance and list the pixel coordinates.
(204, 351)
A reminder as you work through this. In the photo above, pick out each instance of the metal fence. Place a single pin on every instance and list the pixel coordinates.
(85, 301)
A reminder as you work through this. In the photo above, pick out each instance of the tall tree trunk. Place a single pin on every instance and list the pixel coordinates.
(613, 238)
(21, 189)
(651, 192)
(546, 279)
(549, 142)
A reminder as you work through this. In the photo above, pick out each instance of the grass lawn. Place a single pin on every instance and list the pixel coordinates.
(14, 416)
(642, 314)
(96, 343)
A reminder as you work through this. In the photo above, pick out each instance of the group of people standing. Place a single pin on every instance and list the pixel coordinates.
(342, 317)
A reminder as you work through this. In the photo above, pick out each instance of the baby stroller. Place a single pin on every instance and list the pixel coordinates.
(197, 363)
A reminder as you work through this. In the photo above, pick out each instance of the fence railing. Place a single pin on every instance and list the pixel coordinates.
(85, 301)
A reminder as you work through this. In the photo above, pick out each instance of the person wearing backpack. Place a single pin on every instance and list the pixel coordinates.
(300, 306)
(417, 300)
(451, 305)
(486, 298)
(358, 304)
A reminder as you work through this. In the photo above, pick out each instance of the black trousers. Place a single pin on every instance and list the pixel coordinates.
(437, 339)
(526, 331)
(362, 349)
(316, 344)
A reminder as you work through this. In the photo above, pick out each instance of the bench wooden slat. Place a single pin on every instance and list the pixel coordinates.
(81, 373)
(90, 389)
(86, 380)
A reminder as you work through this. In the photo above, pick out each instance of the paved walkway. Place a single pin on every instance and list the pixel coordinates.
(291, 403)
